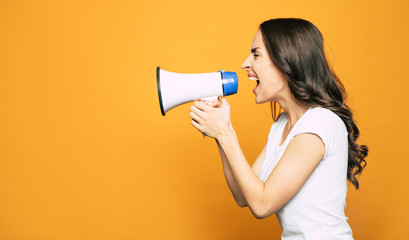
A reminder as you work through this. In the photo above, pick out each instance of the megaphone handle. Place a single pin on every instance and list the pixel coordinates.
(210, 99)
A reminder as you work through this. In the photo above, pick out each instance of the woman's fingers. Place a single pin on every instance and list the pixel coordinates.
(202, 106)
(196, 125)
(199, 114)
(199, 110)
(210, 118)
(195, 117)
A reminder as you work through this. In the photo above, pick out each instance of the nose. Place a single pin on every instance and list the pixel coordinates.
(246, 64)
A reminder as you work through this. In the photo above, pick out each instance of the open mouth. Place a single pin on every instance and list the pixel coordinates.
(255, 79)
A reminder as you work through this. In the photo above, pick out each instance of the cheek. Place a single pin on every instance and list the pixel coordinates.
(264, 68)
(273, 83)
(271, 78)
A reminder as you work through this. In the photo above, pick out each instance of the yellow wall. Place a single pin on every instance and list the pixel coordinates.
(86, 154)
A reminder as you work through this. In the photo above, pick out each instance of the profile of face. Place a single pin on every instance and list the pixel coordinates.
(271, 83)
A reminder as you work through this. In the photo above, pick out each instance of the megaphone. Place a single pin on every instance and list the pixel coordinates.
(175, 89)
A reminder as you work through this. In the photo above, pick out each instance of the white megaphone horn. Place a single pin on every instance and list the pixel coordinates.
(175, 89)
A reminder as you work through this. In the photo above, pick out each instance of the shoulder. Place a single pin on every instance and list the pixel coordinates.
(325, 124)
(323, 118)
(322, 112)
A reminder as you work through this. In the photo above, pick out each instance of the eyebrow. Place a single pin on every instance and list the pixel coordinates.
(253, 50)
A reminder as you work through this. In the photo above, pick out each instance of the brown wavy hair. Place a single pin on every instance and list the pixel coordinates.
(296, 47)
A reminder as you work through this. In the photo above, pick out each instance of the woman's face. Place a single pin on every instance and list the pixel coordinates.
(271, 82)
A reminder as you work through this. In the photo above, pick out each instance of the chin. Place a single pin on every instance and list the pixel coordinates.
(258, 101)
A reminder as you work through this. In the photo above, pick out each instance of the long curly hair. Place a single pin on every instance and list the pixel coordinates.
(296, 47)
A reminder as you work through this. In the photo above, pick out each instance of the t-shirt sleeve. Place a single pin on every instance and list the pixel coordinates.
(326, 125)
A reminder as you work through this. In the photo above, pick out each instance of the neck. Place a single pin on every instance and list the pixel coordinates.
(292, 108)
(294, 111)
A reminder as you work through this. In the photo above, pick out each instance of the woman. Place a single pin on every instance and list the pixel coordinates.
(301, 174)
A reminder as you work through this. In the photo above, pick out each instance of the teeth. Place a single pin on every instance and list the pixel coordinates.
(253, 78)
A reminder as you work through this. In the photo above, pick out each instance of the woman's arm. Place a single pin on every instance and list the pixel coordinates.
(231, 182)
(237, 194)
(302, 155)
(299, 160)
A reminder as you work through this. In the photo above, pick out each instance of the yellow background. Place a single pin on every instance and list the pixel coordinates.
(86, 154)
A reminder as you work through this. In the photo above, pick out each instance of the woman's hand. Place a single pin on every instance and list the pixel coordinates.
(212, 118)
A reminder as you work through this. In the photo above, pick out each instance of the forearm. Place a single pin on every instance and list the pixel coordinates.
(237, 194)
(246, 181)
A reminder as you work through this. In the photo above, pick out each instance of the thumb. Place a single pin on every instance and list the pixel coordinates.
(224, 102)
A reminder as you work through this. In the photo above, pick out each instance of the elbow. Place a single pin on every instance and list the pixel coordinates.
(260, 215)
(241, 203)
(261, 212)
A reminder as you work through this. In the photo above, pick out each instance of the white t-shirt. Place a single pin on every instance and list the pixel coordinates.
(317, 211)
